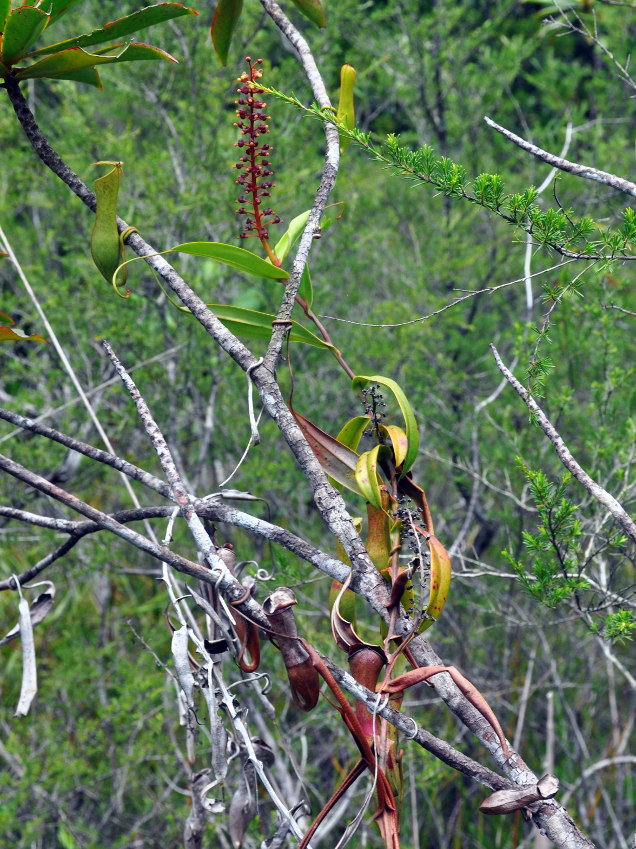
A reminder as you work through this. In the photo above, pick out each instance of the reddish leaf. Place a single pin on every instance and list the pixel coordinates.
(423, 673)
(14, 334)
(226, 17)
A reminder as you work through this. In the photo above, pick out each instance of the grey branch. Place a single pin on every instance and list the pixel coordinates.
(615, 508)
(575, 168)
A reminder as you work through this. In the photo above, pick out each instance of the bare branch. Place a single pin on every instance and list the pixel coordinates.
(564, 455)
(585, 171)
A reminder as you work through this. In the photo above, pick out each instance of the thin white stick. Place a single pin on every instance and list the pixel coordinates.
(544, 185)
(69, 369)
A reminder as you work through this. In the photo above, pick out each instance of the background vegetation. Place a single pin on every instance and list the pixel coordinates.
(100, 760)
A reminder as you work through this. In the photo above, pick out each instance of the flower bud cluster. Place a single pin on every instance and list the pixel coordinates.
(253, 164)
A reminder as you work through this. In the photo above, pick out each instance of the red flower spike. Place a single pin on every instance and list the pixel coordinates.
(252, 125)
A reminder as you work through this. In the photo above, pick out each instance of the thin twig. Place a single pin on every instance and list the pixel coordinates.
(564, 454)
(585, 171)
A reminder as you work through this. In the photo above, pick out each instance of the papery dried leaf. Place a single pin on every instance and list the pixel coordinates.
(29, 670)
(247, 633)
(407, 487)
(343, 631)
(243, 805)
(38, 610)
(181, 660)
(338, 461)
(508, 801)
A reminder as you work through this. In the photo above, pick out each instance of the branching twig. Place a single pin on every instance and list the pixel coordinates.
(564, 455)
(564, 165)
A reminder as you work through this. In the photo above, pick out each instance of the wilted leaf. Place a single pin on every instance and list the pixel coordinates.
(338, 461)
(29, 671)
(226, 17)
(38, 610)
(423, 673)
(182, 663)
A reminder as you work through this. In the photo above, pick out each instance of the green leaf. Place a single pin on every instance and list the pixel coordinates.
(59, 65)
(312, 10)
(411, 425)
(367, 475)
(305, 290)
(121, 27)
(89, 76)
(22, 28)
(5, 9)
(351, 433)
(236, 257)
(227, 254)
(226, 17)
(292, 234)
(258, 325)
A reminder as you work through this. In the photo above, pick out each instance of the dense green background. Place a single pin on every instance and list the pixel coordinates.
(100, 759)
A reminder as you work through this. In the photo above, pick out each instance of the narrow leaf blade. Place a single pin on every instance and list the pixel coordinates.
(233, 256)
(226, 17)
(121, 27)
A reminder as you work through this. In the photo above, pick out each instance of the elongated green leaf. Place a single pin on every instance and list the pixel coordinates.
(226, 17)
(367, 475)
(399, 441)
(236, 257)
(121, 27)
(22, 28)
(291, 235)
(351, 433)
(5, 8)
(409, 419)
(258, 325)
(305, 290)
(338, 461)
(226, 254)
(59, 65)
(312, 10)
